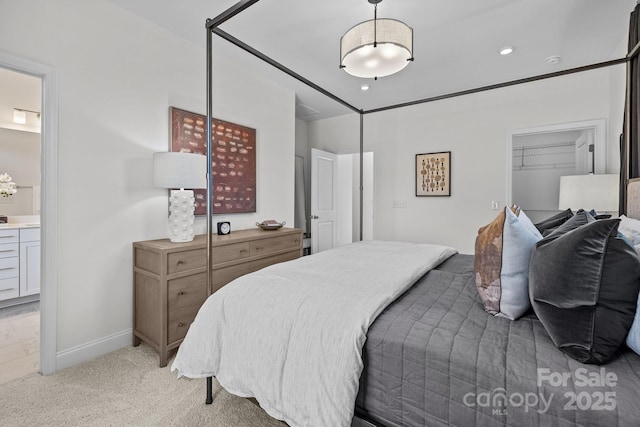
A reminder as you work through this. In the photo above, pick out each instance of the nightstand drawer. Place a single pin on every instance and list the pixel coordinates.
(186, 291)
(186, 260)
(9, 236)
(231, 252)
(9, 267)
(179, 321)
(9, 288)
(275, 244)
(9, 250)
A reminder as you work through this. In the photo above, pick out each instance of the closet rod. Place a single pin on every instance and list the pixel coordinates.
(556, 145)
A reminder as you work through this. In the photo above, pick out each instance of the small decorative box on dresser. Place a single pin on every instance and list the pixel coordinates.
(170, 280)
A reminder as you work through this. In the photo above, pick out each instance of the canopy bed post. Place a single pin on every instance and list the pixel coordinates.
(209, 398)
(361, 171)
(627, 170)
(629, 154)
(210, 25)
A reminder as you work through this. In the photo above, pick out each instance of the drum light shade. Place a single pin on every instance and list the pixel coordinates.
(376, 48)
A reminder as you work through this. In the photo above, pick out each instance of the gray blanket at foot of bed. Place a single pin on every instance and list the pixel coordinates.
(435, 358)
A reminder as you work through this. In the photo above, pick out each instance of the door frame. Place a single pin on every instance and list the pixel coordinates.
(49, 203)
(600, 137)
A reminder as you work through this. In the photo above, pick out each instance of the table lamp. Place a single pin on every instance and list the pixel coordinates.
(180, 170)
(597, 192)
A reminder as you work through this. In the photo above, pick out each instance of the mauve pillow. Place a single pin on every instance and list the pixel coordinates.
(553, 221)
(502, 253)
(583, 286)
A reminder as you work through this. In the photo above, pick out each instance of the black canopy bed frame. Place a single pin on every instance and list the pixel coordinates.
(212, 27)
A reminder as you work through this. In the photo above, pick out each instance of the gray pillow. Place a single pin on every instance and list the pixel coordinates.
(580, 218)
(583, 287)
(553, 221)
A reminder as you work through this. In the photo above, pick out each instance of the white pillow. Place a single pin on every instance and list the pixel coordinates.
(630, 228)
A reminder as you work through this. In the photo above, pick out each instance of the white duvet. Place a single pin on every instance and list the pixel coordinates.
(291, 335)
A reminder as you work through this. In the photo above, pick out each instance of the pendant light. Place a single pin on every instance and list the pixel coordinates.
(376, 48)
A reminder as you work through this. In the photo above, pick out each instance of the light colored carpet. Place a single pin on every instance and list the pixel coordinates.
(123, 388)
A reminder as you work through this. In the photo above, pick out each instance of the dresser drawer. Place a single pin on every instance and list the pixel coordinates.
(9, 288)
(186, 291)
(222, 276)
(179, 321)
(275, 244)
(9, 267)
(231, 252)
(9, 250)
(30, 234)
(186, 260)
(11, 235)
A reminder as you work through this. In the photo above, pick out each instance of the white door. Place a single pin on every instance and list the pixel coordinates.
(323, 200)
(584, 153)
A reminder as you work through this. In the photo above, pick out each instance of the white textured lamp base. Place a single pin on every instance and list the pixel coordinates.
(181, 216)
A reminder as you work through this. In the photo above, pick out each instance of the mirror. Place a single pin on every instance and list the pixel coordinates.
(20, 141)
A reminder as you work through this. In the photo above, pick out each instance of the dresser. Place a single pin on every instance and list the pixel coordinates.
(170, 281)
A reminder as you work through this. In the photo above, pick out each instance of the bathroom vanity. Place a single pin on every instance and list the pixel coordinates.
(19, 263)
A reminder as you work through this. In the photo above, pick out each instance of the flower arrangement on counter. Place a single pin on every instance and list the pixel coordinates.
(7, 186)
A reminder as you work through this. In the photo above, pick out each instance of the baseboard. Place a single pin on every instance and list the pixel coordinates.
(93, 349)
(19, 300)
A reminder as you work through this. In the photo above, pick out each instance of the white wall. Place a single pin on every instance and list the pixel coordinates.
(474, 128)
(20, 158)
(118, 75)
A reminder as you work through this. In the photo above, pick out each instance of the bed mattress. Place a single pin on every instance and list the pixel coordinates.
(434, 357)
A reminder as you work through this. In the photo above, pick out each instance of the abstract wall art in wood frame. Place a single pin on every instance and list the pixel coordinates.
(433, 174)
(233, 160)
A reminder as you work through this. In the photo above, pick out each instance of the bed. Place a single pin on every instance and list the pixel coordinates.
(425, 353)
(434, 358)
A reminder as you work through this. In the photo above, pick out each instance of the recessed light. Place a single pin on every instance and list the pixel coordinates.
(552, 59)
(506, 50)
(364, 87)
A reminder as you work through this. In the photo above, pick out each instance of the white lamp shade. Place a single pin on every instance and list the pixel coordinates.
(179, 170)
(392, 53)
(598, 192)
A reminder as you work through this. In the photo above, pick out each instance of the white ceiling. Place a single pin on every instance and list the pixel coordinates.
(456, 42)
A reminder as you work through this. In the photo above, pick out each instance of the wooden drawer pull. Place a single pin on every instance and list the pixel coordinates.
(242, 251)
(180, 293)
(258, 248)
(180, 262)
(180, 325)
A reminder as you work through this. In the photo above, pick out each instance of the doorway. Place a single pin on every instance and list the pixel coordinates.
(538, 157)
(20, 166)
(48, 202)
(335, 199)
